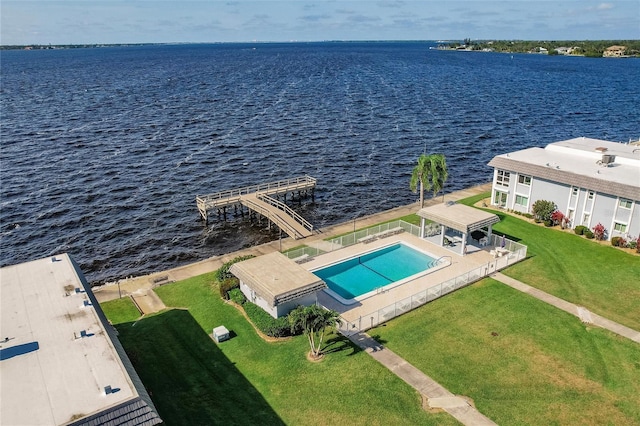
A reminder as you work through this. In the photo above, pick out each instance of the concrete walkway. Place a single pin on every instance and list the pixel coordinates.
(437, 396)
(581, 312)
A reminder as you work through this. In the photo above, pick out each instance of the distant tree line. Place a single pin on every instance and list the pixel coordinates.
(67, 46)
(591, 48)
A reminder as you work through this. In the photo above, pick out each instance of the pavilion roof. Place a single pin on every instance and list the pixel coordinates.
(458, 216)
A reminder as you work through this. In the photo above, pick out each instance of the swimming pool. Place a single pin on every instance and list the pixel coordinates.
(360, 275)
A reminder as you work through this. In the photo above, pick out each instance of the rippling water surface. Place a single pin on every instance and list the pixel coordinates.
(104, 150)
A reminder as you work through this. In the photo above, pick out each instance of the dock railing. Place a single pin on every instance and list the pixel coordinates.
(291, 184)
(288, 210)
(275, 219)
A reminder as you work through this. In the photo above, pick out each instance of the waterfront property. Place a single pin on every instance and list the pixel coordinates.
(62, 363)
(591, 181)
(276, 284)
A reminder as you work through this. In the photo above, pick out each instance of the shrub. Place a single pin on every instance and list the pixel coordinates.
(619, 242)
(266, 323)
(600, 232)
(543, 209)
(223, 273)
(227, 285)
(237, 296)
(557, 217)
(588, 234)
(580, 229)
(527, 215)
(548, 223)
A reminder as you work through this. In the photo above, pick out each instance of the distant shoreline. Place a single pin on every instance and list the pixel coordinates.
(593, 48)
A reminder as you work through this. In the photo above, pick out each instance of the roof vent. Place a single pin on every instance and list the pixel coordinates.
(108, 390)
(608, 159)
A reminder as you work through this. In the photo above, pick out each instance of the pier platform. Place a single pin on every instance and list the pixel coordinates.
(260, 199)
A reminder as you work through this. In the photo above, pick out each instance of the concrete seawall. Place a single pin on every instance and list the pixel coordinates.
(139, 286)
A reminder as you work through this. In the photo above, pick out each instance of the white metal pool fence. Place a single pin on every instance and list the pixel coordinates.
(516, 253)
(363, 235)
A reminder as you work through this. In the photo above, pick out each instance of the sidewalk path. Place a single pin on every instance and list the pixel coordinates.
(437, 395)
(143, 284)
(582, 313)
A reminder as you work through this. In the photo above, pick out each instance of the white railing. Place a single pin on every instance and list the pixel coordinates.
(363, 235)
(275, 218)
(402, 306)
(288, 210)
(291, 184)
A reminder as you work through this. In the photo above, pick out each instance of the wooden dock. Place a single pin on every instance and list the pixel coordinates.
(260, 199)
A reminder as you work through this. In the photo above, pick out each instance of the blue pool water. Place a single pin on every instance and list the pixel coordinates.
(354, 277)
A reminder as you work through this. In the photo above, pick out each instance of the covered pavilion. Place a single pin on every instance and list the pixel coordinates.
(462, 219)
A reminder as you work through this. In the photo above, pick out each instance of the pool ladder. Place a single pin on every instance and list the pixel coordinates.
(438, 261)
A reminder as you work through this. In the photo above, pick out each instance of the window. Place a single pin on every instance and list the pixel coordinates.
(625, 204)
(574, 191)
(620, 227)
(521, 200)
(503, 178)
(585, 219)
(524, 179)
(591, 195)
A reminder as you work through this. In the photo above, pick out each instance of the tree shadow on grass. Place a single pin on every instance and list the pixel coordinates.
(508, 236)
(339, 343)
(187, 376)
(378, 339)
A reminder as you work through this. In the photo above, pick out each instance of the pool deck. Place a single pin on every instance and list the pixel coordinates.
(475, 258)
(138, 287)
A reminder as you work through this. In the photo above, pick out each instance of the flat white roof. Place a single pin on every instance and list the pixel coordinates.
(579, 162)
(276, 278)
(458, 216)
(63, 377)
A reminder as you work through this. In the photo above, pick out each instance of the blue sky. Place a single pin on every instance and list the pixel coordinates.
(160, 21)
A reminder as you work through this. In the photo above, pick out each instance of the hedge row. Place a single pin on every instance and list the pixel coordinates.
(223, 273)
(266, 323)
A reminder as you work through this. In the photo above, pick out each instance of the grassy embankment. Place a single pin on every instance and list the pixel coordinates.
(542, 367)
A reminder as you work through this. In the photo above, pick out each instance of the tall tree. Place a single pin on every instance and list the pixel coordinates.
(313, 321)
(431, 173)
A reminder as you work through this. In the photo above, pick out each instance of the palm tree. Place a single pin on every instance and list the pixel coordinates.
(431, 173)
(313, 321)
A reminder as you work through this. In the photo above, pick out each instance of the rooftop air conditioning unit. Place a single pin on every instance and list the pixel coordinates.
(608, 159)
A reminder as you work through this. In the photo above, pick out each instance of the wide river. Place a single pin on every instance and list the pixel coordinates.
(104, 150)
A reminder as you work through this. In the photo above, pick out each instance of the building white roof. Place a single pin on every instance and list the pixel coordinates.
(57, 355)
(276, 278)
(458, 216)
(579, 162)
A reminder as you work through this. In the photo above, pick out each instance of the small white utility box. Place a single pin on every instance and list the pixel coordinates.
(220, 334)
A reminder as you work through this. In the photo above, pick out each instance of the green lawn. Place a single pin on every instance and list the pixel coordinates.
(542, 366)
(522, 361)
(121, 310)
(599, 277)
(249, 381)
